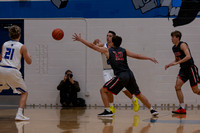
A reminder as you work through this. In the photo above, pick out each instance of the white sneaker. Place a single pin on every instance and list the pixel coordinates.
(20, 117)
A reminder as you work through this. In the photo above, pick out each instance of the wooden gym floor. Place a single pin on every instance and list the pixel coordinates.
(85, 120)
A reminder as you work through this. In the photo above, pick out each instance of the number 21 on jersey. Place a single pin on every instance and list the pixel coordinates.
(118, 55)
(9, 53)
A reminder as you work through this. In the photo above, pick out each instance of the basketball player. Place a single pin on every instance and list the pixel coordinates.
(188, 70)
(12, 52)
(108, 72)
(124, 77)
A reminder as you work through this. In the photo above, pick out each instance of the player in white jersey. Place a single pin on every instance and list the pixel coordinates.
(108, 72)
(10, 76)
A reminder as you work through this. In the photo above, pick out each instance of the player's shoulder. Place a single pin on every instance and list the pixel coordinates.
(182, 44)
(122, 49)
(19, 43)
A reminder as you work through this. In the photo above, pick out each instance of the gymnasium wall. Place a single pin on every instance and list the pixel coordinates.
(146, 36)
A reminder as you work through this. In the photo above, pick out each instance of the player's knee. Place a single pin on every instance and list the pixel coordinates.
(177, 88)
(139, 95)
(24, 94)
(196, 91)
(103, 90)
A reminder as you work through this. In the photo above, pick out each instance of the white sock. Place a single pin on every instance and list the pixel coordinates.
(111, 104)
(133, 99)
(182, 105)
(151, 108)
(20, 111)
(108, 109)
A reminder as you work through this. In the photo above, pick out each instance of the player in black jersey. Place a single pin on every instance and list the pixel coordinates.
(123, 75)
(188, 70)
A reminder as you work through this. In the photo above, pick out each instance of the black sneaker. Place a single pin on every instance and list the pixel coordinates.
(106, 113)
(154, 112)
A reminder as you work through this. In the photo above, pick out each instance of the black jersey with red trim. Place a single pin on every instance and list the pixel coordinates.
(118, 60)
(180, 55)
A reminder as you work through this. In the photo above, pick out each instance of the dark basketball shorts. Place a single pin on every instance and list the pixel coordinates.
(125, 79)
(190, 73)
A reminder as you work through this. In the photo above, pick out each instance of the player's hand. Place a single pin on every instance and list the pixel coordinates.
(76, 37)
(65, 77)
(154, 60)
(171, 64)
(166, 66)
(96, 41)
(71, 80)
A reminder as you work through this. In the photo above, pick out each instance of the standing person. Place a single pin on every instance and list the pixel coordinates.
(12, 52)
(108, 72)
(123, 75)
(188, 70)
(68, 88)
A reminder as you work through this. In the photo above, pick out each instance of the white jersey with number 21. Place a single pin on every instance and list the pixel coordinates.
(11, 55)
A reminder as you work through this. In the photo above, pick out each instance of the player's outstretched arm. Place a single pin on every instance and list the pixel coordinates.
(26, 55)
(140, 57)
(97, 48)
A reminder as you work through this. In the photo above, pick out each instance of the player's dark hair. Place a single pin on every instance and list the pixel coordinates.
(177, 34)
(68, 71)
(117, 40)
(14, 32)
(112, 32)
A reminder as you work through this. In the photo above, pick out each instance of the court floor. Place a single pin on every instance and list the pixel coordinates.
(85, 120)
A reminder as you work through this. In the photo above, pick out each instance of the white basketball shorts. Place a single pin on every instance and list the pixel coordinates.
(10, 77)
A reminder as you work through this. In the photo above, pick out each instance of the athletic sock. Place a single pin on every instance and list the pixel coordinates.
(182, 105)
(108, 109)
(133, 99)
(151, 108)
(20, 111)
(111, 104)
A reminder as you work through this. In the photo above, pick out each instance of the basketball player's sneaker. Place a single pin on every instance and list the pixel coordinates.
(179, 111)
(20, 117)
(136, 105)
(106, 113)
(112, 108)
(154, 112)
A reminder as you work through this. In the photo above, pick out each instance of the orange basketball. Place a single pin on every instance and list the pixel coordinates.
(57, 34)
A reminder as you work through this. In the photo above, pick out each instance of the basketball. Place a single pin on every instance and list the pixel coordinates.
(57, 34)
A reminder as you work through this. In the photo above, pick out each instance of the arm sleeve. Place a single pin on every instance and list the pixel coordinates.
(61, 85)
(76, 86)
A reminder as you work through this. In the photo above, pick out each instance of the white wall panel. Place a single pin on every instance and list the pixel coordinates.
(52, 58)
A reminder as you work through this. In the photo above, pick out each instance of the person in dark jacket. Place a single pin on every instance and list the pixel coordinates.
(68, 90)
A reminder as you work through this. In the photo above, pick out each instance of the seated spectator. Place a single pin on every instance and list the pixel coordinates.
(68, 90)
